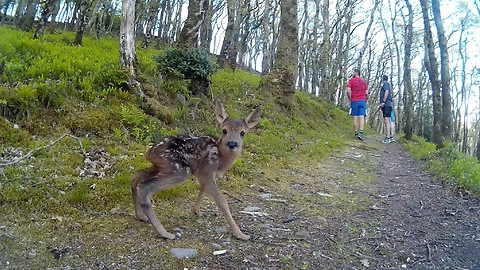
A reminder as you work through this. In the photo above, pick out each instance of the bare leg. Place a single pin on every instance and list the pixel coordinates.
(355, 123)
(387, 126)
(212, 190)
(362, 122)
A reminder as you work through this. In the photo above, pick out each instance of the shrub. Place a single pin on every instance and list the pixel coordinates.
(447, 163)
(193, 63)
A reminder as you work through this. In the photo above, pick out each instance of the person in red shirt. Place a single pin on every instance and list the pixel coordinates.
(357, 92)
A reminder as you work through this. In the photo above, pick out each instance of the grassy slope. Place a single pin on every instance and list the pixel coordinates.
(447, 163)
(50, 87)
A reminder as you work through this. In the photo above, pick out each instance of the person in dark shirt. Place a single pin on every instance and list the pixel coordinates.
(386, 103)
(357, 92)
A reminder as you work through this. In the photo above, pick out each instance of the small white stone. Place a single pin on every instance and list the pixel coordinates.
(219, 252)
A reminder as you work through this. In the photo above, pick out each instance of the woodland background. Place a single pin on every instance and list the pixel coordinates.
(428, 48)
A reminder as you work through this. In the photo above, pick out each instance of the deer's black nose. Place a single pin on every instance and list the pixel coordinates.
(232, 144)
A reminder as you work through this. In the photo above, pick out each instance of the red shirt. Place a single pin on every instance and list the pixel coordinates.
(359, 88)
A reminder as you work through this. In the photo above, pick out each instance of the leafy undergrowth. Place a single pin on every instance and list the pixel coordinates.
(49, 87)
(447, 163)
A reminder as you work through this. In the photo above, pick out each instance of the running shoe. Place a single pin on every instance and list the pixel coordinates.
(360, 136)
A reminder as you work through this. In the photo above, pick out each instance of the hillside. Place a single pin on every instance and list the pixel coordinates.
(60, 198)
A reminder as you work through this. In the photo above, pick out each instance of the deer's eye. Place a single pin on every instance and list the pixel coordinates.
(242, 133)
(224, 132)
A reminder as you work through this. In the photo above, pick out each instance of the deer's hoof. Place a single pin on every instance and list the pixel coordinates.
(244, 237)
(142, 217)
(168, 235)
(197, 212)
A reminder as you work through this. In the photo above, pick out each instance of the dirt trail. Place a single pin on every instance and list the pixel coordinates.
(369, 206)
(425, 224)
(383, 211)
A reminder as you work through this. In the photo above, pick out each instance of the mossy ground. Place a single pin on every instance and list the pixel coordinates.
(447, 163)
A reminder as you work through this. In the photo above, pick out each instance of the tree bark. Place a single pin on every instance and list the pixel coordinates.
(266, 39)
(408, 73)
(19, 13)
(445, 73)
(206, 28)
(46, 13)
(128, 55)
(196, 14)
(29, 17)
(281, 81)
(82, 19)
(432, 68)
(55, 11)
(228, 52)
(478, 126)
(153, 7)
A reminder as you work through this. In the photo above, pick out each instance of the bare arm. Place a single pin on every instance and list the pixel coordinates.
(385, 96)
(349, 93)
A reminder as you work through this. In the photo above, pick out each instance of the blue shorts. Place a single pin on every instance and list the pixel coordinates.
(358, 108)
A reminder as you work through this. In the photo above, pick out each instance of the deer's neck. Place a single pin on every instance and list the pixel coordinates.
(227, 159)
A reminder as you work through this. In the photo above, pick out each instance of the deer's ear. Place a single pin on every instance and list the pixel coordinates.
(253, 118)
(220, 113)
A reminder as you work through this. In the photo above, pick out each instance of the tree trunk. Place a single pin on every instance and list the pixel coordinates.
(19, 13)
(128, 55)
(432, 68)
(196, 14)
(29, 18)
(73, 20)
(266, 39)
(228, 52)
(281, 81)
(408, 74)
(206, 28)
(152, 14)
(366, 39)
(478, 126)
(53, 22)
(82, 19)
(46, 12)
(445, 73)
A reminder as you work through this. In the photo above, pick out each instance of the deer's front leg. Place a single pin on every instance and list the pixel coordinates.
(212, 190)
(198, 201)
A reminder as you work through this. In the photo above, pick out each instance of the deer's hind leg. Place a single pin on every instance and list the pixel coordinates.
(140, 177)
(162, 180)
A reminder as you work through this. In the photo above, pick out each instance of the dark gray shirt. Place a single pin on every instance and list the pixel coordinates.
(389, 101)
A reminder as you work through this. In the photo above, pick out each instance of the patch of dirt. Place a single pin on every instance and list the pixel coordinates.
(368, 206)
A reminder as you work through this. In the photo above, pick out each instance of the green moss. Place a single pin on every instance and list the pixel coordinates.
(447, 163)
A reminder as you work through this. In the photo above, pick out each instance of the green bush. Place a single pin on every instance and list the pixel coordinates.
(447, 163)
(192, 63)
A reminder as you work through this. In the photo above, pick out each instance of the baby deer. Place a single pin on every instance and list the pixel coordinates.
(175, 158)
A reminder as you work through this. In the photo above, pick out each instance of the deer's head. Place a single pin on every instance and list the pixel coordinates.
(234, 130)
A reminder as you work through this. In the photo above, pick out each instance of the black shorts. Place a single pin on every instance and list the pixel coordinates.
(387, 111)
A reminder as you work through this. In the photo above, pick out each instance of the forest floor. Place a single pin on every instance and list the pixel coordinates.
(369, 205)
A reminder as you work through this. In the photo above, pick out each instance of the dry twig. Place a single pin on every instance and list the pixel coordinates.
(29, 154)
(231, 195)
